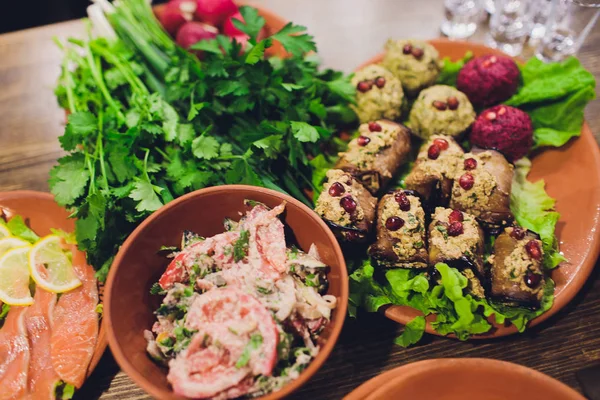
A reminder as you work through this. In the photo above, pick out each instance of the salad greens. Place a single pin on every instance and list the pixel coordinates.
(149, 122)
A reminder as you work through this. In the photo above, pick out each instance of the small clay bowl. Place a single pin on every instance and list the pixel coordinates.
(129, 307)
(463, 378)
(41, 213)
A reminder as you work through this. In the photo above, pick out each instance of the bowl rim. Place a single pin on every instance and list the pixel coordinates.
(377, 385)
(101, 341)
(341, 309)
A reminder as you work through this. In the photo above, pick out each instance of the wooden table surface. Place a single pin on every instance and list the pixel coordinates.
(347, 33)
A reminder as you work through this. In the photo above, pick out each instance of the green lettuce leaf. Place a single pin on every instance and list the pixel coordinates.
(413, 332)
(554, 95)
(450, 70)
(16, 225)
(534, 210)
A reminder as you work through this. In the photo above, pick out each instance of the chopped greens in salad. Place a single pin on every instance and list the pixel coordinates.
(242, 312)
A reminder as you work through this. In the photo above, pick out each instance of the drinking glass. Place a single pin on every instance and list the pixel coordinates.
(540, 12)
(569, 23)
(461, 18)
(510, 25)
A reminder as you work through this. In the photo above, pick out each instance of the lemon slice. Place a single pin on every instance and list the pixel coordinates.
(9, 243)
(4, 232)
(50, 267)
(14, 277)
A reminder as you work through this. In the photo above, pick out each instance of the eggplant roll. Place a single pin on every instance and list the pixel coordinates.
(482, 188)
(401, 239)
(375, 156)
(434, 170)
(346, 206)
(455, 238)
(516, 268)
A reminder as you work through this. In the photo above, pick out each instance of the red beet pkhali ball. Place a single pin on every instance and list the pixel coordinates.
(505, 129)
(488, 80)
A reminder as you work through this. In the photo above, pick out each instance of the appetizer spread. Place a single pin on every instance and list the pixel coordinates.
(46, 339)
(242, 312)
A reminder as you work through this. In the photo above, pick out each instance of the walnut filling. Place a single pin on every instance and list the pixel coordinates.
(518, 263)
(363, 156)
(476, 198)
(454, 247)
(375, 103)
(448, 162)
(328, 206)
(410, 235)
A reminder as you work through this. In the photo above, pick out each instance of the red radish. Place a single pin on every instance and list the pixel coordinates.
(214, 12)
(193, 32)
(229, 28)
(177, 13)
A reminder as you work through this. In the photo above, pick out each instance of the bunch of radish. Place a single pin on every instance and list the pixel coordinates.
(190, 21)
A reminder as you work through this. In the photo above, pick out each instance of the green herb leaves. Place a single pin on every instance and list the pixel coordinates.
(254, 344)
(294, 41)
(240, 248)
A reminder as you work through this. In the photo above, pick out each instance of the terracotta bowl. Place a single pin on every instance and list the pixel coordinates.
(273, 23)
(572, 176)
(40, 212)
(129, 307)
(463, 378)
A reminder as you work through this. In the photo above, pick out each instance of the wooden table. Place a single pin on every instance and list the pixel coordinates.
(347, 33)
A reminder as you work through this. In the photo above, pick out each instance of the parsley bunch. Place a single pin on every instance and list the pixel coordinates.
(149, 122)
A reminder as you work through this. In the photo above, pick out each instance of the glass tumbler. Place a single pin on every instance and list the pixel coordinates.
(461, 18)
(510, 25)
(540, 12)
(569, 24)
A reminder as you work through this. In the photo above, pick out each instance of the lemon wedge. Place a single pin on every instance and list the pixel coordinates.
(14, 277)
(50, 267)
(4, 232)
(9, 243)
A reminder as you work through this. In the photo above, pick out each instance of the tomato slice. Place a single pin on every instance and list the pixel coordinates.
(204, 370)
(175, 272)
(241, 324)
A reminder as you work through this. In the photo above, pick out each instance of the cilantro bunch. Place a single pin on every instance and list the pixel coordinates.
(148, 121)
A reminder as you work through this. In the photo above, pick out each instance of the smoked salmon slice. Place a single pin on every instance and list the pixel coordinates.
(75, 326)
(14, 355)
(38, 322)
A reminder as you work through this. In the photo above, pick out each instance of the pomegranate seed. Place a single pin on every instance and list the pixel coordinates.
(363, 140)
(407, 49)
(534, 250)
(336, 189)
(486, 64)
(470, 163)
(374, 127)
(394, 223)
(402, 201)
(417, 52)
(364, 86)
(349, 181)
(517, 233)
(433, 152)
(491, 116)
(452, 102)
(466, 181)
(441, 143)
(493, 59)
(440, 105)
(348, 204)
(380, 82)
(351, 235)
(455, 228)
(532, 279)
(501, 110)
(455, 216)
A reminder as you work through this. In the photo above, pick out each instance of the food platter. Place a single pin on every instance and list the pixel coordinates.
(459, 378)
(572, 176)
(41, 213)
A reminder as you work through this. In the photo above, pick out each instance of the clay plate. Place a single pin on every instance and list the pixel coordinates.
(572, 175)
(40, 212)
(463, 378)
(129, 307)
